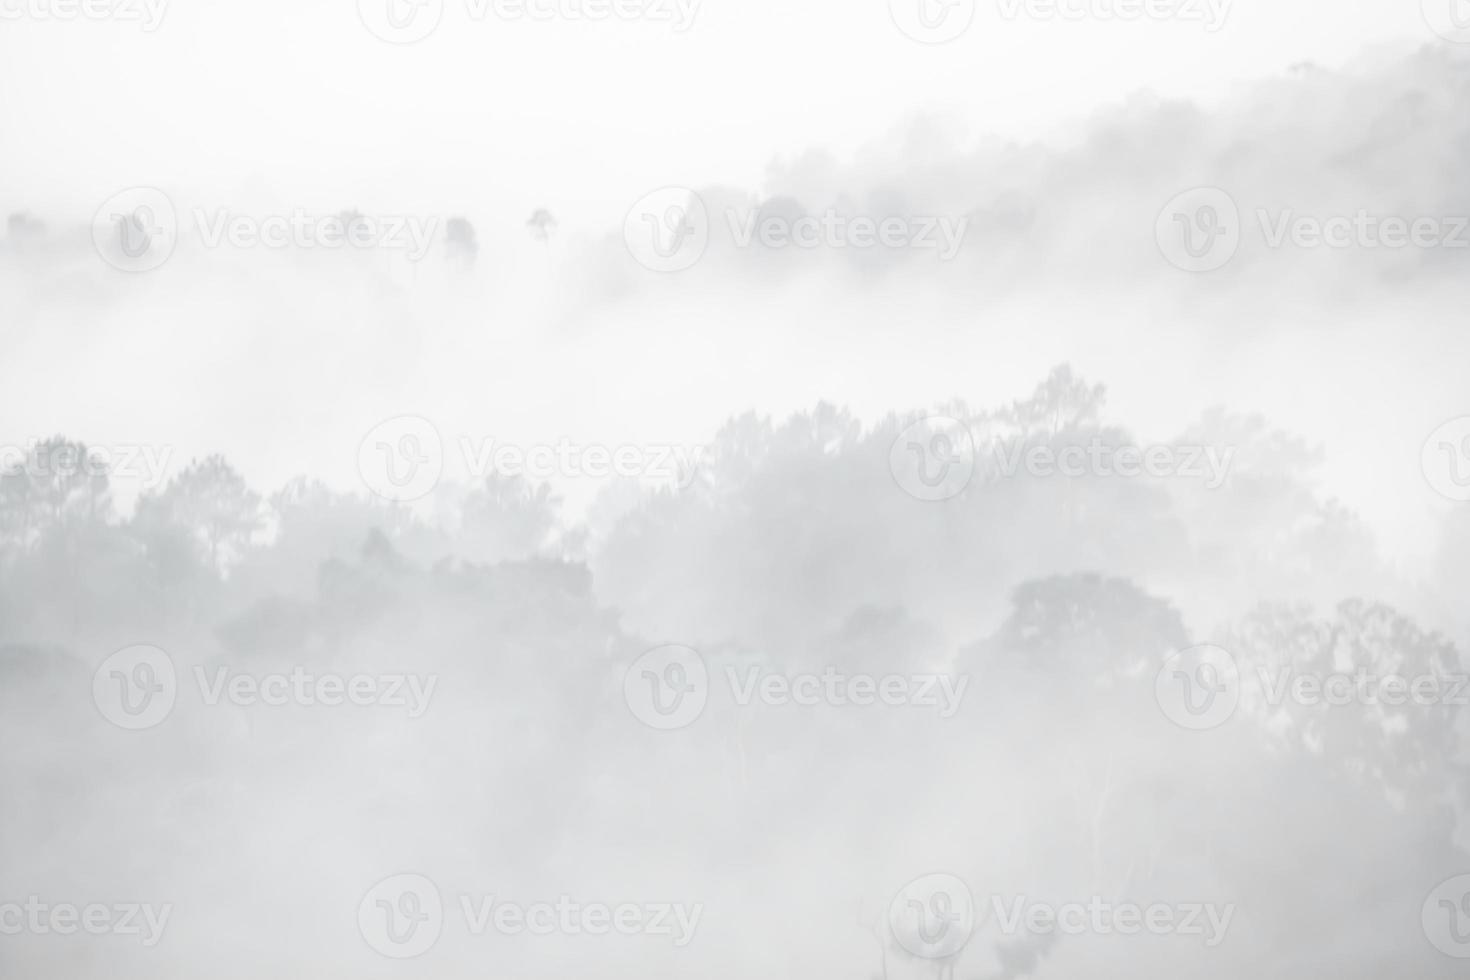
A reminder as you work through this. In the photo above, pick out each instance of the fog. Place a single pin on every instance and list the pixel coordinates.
(775, 497)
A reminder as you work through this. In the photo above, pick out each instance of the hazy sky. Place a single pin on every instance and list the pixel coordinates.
(493, 110)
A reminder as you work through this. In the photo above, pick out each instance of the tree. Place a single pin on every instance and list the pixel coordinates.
(212, 505)
(459, 236)
(542, 225)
